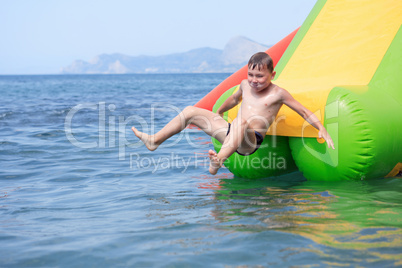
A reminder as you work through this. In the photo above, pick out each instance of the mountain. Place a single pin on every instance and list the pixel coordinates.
(202, 60)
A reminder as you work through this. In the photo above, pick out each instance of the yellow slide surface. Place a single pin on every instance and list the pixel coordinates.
(340, 48)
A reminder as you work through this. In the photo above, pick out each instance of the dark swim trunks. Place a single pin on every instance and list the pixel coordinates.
(259, 139)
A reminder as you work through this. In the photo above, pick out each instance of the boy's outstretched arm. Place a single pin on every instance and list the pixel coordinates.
(308, 116)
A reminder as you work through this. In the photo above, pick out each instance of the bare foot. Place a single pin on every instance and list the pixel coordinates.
(215, 164)
(148, 140)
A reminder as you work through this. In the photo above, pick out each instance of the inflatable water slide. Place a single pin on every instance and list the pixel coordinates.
(345, 65)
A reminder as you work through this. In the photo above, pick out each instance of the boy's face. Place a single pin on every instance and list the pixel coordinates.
(259, 79)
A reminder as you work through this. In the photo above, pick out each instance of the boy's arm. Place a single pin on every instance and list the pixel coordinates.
(308, 116)
(231, 102)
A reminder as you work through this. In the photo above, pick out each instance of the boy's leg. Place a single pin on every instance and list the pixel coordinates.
(239, 138)
(211, 123)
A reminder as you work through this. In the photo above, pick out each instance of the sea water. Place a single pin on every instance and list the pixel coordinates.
(77, 189)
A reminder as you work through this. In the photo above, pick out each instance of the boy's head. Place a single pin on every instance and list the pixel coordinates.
(261, 60)
(260, 71)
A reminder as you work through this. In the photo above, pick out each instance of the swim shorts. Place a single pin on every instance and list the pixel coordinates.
(259, 139)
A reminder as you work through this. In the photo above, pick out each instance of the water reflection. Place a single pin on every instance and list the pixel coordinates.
(350, 215)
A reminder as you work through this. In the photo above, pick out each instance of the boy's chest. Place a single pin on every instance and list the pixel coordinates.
(260, 100)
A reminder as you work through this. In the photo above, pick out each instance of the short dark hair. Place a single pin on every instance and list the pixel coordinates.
(261, 60)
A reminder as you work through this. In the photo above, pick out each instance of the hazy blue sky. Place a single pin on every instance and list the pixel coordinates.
(44, 35)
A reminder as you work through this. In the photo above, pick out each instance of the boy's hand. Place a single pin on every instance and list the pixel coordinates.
(324, 134)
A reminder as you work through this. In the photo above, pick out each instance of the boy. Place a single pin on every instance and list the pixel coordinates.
(261, 101)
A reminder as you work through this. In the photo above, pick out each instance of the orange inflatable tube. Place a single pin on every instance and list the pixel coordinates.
(276, 52)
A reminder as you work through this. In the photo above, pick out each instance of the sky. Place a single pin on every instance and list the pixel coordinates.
(42, 36)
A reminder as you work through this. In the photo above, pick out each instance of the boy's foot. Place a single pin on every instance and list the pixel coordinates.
(146, 139)
(215, 164)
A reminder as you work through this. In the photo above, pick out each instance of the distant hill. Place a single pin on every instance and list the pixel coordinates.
(202, 60)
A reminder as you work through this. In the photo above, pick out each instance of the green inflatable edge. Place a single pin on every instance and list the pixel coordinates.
(365, 124)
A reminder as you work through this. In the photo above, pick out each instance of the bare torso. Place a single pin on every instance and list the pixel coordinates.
(260, 108)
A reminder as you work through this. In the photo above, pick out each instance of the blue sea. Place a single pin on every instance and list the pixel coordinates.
(77, 189)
